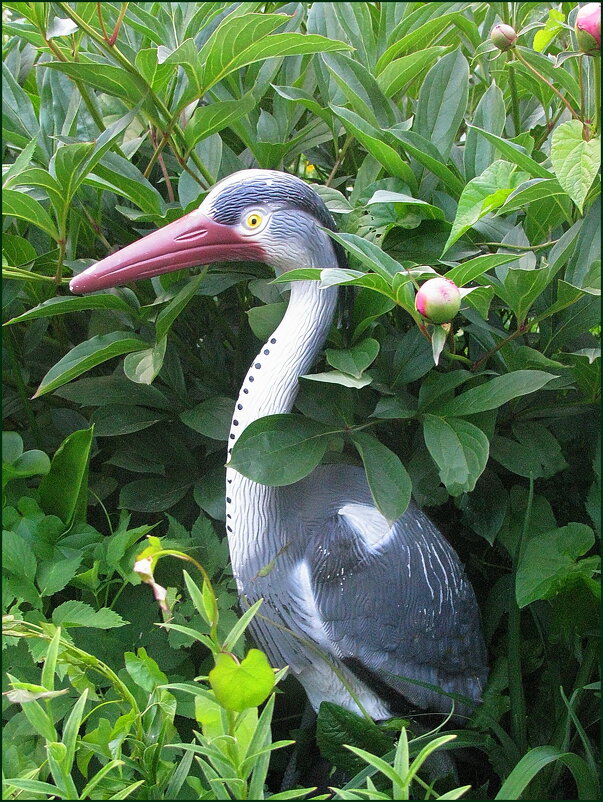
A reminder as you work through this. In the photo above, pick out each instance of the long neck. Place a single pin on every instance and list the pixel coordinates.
(270, 387)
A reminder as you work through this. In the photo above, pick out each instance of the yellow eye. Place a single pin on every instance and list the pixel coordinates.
(253, 220)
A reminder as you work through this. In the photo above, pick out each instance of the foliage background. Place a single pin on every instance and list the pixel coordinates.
(433, 151)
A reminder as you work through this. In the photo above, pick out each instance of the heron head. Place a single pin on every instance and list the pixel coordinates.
(259, 215)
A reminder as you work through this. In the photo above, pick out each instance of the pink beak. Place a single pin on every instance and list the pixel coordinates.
(194, 239)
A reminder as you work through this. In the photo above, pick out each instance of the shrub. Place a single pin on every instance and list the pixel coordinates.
(439, 155)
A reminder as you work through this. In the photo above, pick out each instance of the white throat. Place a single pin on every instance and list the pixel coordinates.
(269, 388)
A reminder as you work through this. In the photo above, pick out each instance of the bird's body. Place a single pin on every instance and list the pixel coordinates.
(357, 608)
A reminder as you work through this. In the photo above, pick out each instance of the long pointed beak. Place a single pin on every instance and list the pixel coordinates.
(194, 239)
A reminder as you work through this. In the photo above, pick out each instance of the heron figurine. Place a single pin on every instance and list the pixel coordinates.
(370, 615)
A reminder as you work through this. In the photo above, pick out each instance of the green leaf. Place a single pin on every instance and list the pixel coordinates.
(30, 463)
(438, 340)
(514, 153)
(112, 420)
(54, 575)
(420, 37)
(12, 446)
(549, 563)
(302, 97)
(337, 377)
(167, 316)
(552, 27)
(56, 754)
(459, 449)
(536, 760)
(89, 354)
(475, 268)
(280, 449)
(238, 686)
(211, 418)
(337, 727)
(66, 166)
(21, 163)
(369, 254)
(40, 721)
(482, 195)
(142, 367)
(427, 154)
(18, 204)
(120, 176)
(17, 556)
(61, 305)
(389, 483)
(71, 728)
(522, 287)
(263, 320)
(563, 79)
(575, 162)
(152, 495)
(401, 71)
(50, 661)
(442, 101)
(35, 787)
(115, 81)
(372, 140)
(208, 120)
(490, 115)
(495, 392)
(360, 89)
(426, 210)
(144, 670)
(354, 360)
(533, 190)
(534, 452)
(20, 123)
(106, 390)
(242, 40)
(78, 614)
(36, 177)
(396, 407)
(64, 490)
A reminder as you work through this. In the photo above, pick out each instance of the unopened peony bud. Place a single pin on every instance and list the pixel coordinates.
(588, 28)
(503, 36)
(438, 300)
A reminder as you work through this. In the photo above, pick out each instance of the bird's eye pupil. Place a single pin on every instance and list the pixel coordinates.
(254, 220)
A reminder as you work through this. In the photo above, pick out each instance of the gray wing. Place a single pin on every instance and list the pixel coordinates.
(394, 601)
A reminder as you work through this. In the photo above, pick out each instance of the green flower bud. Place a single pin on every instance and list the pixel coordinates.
(438, 300)
(503, 36)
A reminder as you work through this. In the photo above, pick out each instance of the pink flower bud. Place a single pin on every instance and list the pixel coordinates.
(588, 28)
(438, 300)
(503, 36)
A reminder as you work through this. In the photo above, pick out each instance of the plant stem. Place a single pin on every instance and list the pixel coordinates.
(596, 67)
(101, 21)
(554, 89)
(521, 247)
(581, 79)
(516, 695)
(523, 329)
(62, 243)
(166, 177)
(120, 19)
(514, 96)
(339, 159)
